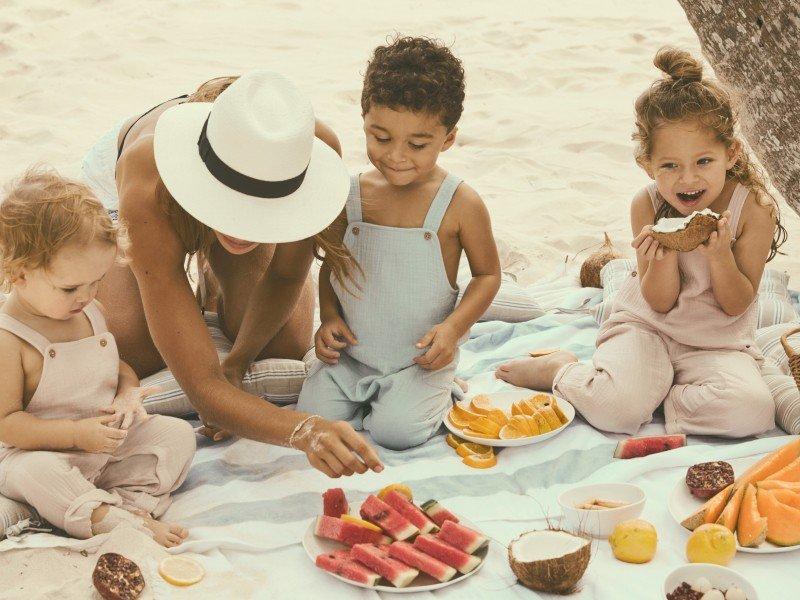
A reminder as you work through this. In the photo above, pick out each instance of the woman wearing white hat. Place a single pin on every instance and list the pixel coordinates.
(241, 174)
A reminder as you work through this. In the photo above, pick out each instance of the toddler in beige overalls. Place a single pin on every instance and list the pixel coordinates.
(700, 362)
(78, 380)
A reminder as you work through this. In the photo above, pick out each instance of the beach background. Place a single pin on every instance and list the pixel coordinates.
(545, 135)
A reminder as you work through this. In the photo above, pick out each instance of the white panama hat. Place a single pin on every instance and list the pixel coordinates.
(248, 164)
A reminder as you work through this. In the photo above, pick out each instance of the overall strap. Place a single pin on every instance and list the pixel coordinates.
(96, 318)
(735, 205)
(652, 191)
(353, 205)
(22, 331)
(139, 118)
(441, 201)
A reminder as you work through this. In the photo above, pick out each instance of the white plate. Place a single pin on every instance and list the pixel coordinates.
(681, 504)
(315, 546)
(503, 401)
(720, 577)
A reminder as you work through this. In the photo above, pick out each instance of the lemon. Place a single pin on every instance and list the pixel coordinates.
(711, 543)
(180, 570)
(361, 523)
(634, 541)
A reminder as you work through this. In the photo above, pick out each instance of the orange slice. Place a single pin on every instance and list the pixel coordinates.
(453, 441)
(480, 404)
(477, 434)
(509, 432)
(480, 461)
(360, 523)
(468, 448)
(462, 414)
(180, 570)
(549, 414)
(520, 423)
(401, 488)
(541, 422)
(498, 416)
(485, 425)
(527, 406)
(516, 409)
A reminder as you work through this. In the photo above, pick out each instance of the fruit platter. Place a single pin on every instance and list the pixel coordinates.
(390, 544)
(514, 418)
(760, 505)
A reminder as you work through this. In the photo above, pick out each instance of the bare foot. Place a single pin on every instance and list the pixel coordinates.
(166, 534)
(535, 373)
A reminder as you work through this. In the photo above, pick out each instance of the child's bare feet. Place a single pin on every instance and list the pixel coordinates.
(166, 534)
(535, 373)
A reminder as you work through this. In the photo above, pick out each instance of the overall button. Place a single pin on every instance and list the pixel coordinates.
(633, 273)
(52, 353)
(103, 342)
(428, 235)
(356, 230)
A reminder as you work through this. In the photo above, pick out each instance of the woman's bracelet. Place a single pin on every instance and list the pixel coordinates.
(299, 427)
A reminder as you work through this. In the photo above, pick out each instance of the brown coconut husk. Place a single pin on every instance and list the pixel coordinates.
(559, 575)
(695, 233)
(594, 263)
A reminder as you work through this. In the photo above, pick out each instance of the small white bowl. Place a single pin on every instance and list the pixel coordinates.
(720, 577)
(601, 523)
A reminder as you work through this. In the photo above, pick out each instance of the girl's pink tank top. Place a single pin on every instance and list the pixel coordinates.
(697, 319)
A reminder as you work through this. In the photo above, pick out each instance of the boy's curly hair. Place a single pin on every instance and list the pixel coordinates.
(416, 73)
(41, 212)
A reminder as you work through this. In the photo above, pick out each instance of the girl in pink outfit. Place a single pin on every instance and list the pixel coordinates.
(75, 441)
(682, 327)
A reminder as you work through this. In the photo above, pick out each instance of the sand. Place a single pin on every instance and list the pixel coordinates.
(545, 136)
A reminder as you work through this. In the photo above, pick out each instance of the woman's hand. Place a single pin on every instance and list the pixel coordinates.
(718, 245)
(441, 341)
(97, 435)
(127, 407)
(332, 336)
(335, 448)
(647, 247)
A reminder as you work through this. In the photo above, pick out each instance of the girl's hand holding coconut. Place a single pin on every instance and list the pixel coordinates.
(719, 243)
(647, 247)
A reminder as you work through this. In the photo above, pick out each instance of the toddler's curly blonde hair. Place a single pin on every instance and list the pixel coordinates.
(41, 213)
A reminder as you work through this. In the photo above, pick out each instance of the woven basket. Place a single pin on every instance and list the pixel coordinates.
(794, 357)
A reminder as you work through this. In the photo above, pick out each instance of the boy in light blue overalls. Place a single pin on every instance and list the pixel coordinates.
(390, 331)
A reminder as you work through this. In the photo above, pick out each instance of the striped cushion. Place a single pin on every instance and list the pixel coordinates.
(11, 513)
(778, 377)
(512, 304)
(774, 305)
(275, 379)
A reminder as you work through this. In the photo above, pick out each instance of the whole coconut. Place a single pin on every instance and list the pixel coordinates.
(594, 263)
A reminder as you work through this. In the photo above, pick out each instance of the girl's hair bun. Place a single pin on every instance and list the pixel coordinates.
(679, 65)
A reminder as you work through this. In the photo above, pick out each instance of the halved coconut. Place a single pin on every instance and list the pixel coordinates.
(549, 560)
(685, 234)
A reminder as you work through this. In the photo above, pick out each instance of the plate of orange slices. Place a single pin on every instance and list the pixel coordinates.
(513, 418)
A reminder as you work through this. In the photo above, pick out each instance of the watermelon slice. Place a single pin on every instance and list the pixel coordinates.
(384, 516)
(405, 552)
(377, 558)
(334, 503)
(636, 447)
(463, 538)
(347, 533)
(438, 513)
(433, 546)
(340, 564)
(414, 515)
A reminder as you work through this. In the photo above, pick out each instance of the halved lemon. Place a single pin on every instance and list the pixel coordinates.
(361, 523)
(181, 570)
(401, 488)
(480, 461)
(509, 432)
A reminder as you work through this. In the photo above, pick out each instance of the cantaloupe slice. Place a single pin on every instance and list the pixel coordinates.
(771, 463)
(788, 498)
(770, 484)
(790, 472)
(730, 514)
(751, 528)
(783, 522)
(710, 511)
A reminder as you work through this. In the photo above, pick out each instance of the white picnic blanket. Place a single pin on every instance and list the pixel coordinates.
(248, 504)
